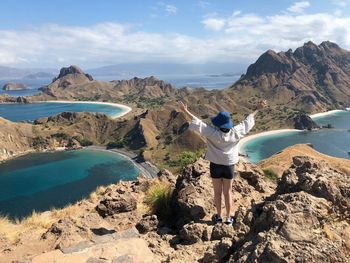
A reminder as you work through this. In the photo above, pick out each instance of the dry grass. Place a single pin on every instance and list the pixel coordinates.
(95, 196)
(68, 211)
(158, 199)
(37, 220)
(10, 230)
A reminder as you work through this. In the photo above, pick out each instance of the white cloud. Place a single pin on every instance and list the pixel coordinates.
(215, 24)
(171, 9)
(236, 13)
(299, 7)
(341, 3)
(203, 4)
(243, 37)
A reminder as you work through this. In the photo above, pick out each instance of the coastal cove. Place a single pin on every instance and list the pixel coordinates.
(35, 110)
(334, 142)
(75, 173)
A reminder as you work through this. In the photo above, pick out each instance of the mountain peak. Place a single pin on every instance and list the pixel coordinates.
(269, 62)
(72, 70)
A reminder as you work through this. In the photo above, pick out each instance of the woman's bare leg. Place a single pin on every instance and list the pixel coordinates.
(217, 185)
(227, 189)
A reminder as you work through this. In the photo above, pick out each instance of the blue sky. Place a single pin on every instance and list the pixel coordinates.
(90, 33)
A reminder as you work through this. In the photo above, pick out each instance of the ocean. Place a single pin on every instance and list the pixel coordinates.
(32, 86)
(41, 181)
(334, 142)
(32, 111)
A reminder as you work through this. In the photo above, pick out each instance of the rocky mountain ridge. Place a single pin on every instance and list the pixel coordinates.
(313, 77)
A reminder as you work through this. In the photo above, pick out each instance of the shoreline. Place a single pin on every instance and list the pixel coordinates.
(249, 138)
(125, 109)
(148, 169)
(326, 113)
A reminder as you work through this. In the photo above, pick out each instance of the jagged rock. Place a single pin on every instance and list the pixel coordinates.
(71, 70)
(193, 232)
(22, 100)
(191, 190)
(304, 122)
(148, 223)
(222, 230)
(222, 248)
(116, 203)
(66, 232)
(289, 225)
(318, 179)
(254, 176)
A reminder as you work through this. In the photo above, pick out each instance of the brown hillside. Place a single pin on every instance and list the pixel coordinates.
(282, 160)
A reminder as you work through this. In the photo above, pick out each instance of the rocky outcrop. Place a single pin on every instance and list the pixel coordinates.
(304, 218)
(304, 122)
(14, 86)
(115, 203)
(317, 179)
(71, 70)
(303, 221)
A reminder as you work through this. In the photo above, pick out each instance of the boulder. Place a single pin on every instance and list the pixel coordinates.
(304, 122)
(193, 232)
(303, 221)
(318, 179)
(116, 203)
(221, 231)
(147, 223)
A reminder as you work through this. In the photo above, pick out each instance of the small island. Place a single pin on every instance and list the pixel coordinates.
(14, 86)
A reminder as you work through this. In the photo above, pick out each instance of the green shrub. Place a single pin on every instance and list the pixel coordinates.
(158, 199)
(270, 174)
(118, 143)
(39, 142)
(82, 141)
(60, 135)
(186, 158)
(168, 139)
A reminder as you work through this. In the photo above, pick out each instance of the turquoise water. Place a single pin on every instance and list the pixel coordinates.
(32, 111)
(42, 181)
(334, 142)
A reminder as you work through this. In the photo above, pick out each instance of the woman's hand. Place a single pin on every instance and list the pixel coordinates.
(182, 106)
(262, 105)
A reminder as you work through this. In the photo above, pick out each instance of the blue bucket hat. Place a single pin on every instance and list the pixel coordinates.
(222, 120)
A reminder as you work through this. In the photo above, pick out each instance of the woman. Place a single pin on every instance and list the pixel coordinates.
(222, 152)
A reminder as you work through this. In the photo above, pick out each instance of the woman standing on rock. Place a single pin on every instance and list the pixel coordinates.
(222, 152)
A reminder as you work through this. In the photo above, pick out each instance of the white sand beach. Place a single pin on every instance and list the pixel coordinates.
(125, 109)
(323, 114)
(262, 134)
(273, 132)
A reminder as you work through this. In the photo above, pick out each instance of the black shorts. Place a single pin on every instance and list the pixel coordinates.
(218, 171)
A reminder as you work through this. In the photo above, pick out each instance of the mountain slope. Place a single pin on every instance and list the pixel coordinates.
(313, 78)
